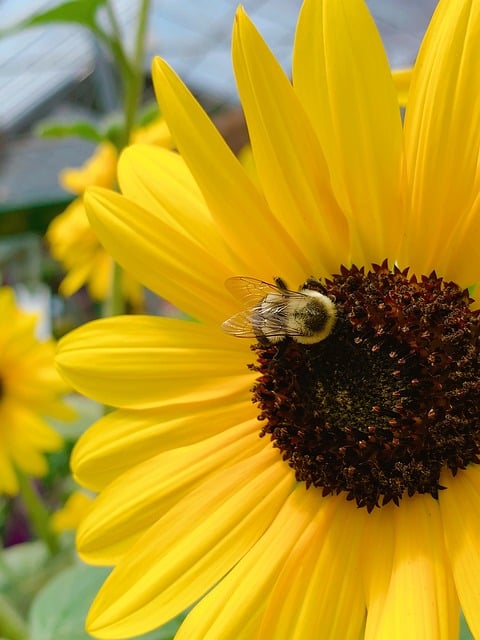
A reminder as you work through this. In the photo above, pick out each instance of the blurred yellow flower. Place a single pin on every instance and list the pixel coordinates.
(100, 170)
(155, 132)
(30, 390)
(72, 241)
(75, 245)
(72, 513)
(402, 79)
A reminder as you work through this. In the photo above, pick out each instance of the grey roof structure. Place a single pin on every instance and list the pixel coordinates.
(42, 66)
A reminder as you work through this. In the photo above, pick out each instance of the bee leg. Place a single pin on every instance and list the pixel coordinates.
(260, 337)
(280, 283)
(315, 285)
(280, 349)
(310, 283)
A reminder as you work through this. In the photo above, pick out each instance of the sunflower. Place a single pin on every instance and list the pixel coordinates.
(73, 511)
(71, 239)
(356, 514)
(30, 389)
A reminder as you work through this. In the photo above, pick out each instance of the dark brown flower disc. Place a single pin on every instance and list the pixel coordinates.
(391, 398)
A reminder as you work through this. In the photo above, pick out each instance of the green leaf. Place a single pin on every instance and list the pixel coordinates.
(168, 631)
(87, 412)
(148, 114)
(77, 11)
(465, 633)
(20, 561)
(114, 130)
(60, 608)
(85, 130)
(25, 568)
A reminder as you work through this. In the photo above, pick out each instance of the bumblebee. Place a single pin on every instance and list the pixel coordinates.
(272, 312)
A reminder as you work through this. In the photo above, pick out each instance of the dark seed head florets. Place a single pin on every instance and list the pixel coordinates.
(390, 399)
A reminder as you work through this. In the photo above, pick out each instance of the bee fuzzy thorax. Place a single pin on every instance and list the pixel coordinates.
(310, 320)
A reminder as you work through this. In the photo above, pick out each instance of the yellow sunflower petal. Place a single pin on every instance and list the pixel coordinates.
(155, 254)
(73, 242)
(76, 278)
(377, 567)
(317, 594)
(461, 256)
(72, 513)
(241, 596)
(8, 476)
(99, 169)
(219, 515)
(442, 134)
(460, 510)
(32, 430)
(155, 132)
(25, 435)
(421, 601)
(143, 361)
(31, 389)
(191, 547)
(402, 79)
(240, 211)
(99, 455)
(29, 460)
(101, 273)
(125, 510)
(288, 158)
(341, 74)
(152, 176)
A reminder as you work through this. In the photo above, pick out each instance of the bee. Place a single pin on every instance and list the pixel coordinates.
(273, 312)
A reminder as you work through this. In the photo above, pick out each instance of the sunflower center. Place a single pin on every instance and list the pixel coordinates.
(389, 399)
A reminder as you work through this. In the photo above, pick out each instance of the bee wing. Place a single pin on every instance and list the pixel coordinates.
(250, 291)
(265, 309)
(240, 325)
(251, 323)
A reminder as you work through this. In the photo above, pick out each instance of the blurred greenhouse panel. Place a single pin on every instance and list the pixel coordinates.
(60, 72)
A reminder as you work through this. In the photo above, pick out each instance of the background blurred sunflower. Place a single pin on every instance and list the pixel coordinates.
(363, 518)
(30, 389)
(72, 513)
(70, 237)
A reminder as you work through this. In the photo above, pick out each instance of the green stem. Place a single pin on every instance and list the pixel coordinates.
(139, 52)
(133, 79)
(115, 303)
(12, 626)
(38, 514)
(134, 87)
(112, 18)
